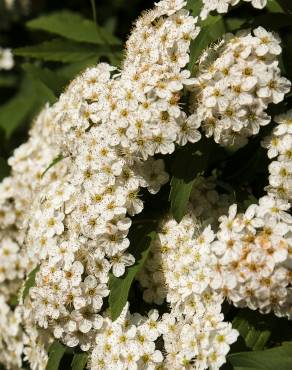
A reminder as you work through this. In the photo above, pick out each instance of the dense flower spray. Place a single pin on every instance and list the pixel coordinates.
(232, 92)
(279, 145)
(222, 6)
(70, 221)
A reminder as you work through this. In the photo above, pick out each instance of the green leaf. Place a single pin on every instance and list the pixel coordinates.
(58, 50)
(140, 243)
(30, 282)
(286, 5)
(79, 361)
(13, 300)
(194, 6)
(69, 71)
(274, 6)
(179, 196)
(7, 80)
(74, 27)
(29, 100)
(4, 168)
(111, 24)
(43, 95)
(278, 358)
(211, 30)
(189, 162)
(53, 163)
(52, 79)
(33, 94)
(17, 109)
(253, 327)
(232, 24)
(56, 353)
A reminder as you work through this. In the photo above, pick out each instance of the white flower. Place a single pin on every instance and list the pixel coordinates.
(64, 252)
(72, 275)
(94, 292)
(277, 207)
(274, 88)
(133, 203)
(171, 6)
(222, 6)
(120, 262)
(279, 171)
(150, 327)
(266, 42)
(6, 59)
(86, 319)
(284, 124)
(279, 145)
(224, 338)
(53, 223)
(153, 172)
(259, 4)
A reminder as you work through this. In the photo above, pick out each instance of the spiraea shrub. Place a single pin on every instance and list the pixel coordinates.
(145, 218)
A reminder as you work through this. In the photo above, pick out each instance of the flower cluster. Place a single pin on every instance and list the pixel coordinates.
(36, 341)
(65, 210)
(107, 126)
(210, 205)
(254, 257)
(13, 266)
(188, 341)
(279, 144)
(11, 336)
(248, 261)
(232, 92)
(17, 193)
(12, 263)
(222, 6)
(127, 343)
(200, 341)
(72, 218)
(6, 59)
(180, 270)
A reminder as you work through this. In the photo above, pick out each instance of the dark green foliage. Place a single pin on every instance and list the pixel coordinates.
(79, 361)
(64, 24)
(189, 162)
(56, 352)
(278, 358)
